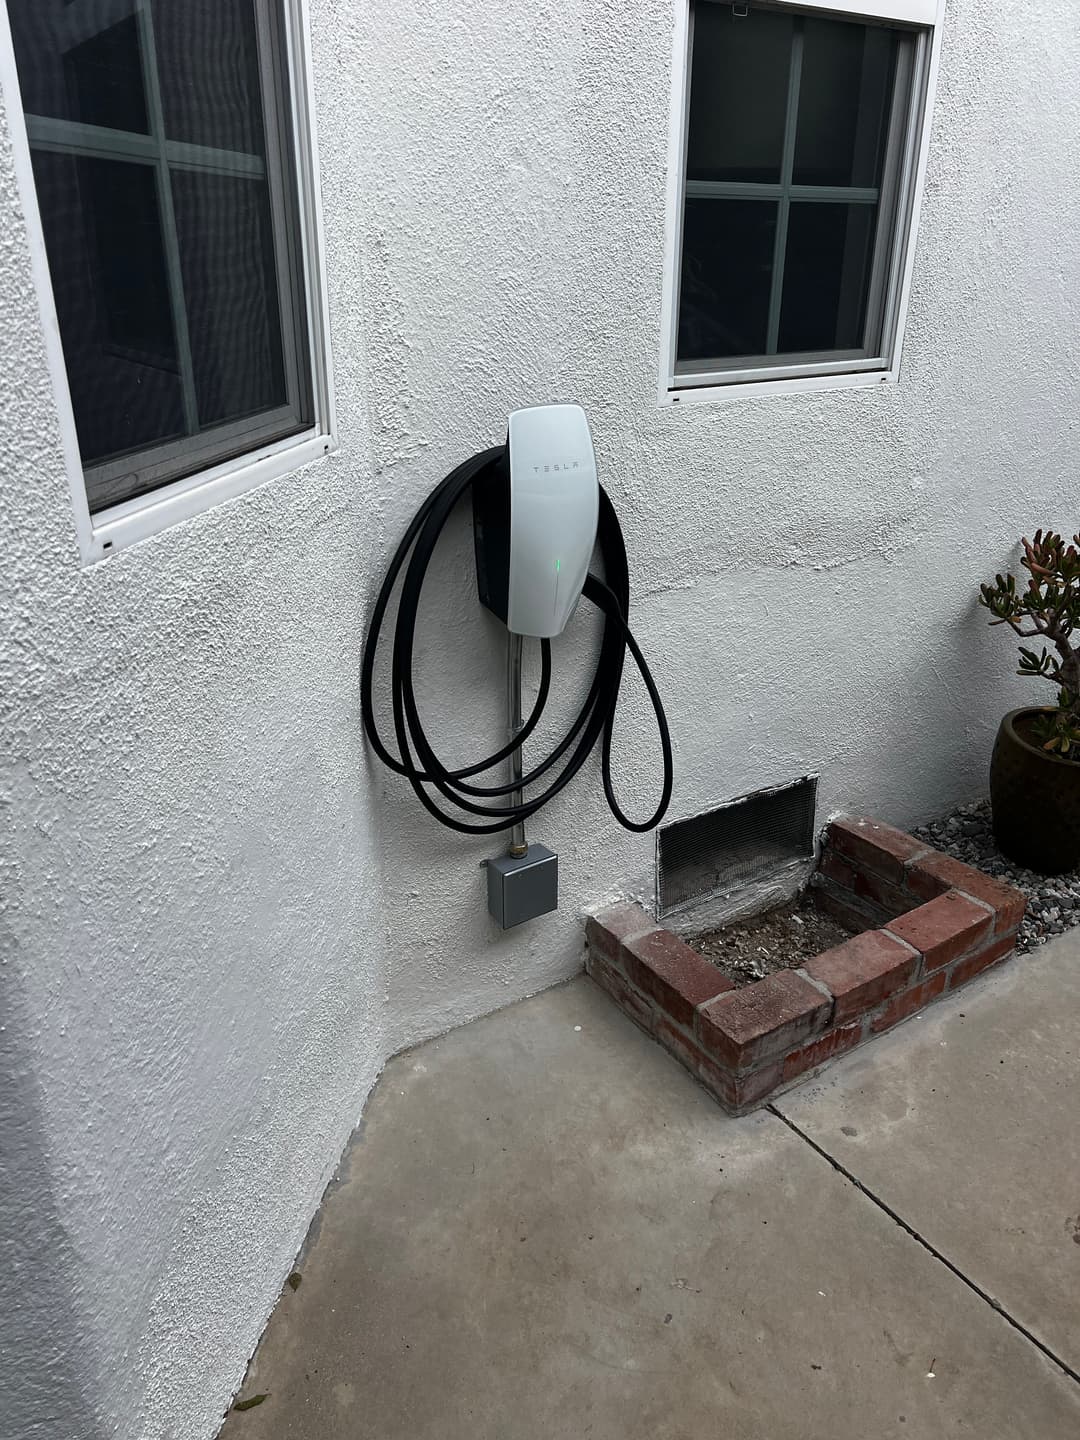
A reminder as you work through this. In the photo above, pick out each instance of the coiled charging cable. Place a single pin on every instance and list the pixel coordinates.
(418, 762)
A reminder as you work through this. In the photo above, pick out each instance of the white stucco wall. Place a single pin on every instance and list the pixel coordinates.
(192, 993)
(219, 918)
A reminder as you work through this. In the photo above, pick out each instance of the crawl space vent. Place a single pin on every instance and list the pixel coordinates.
(740, 843)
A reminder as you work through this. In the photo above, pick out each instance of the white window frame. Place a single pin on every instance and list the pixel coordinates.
(110, 530)
(835, 372)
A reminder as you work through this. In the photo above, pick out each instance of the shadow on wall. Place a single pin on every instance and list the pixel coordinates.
(46, 1352)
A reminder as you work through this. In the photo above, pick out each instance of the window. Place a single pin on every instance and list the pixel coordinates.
(799, 159)
(165, 172)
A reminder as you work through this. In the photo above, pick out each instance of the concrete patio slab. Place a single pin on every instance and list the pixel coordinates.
(546, 1232)
(966, 1122)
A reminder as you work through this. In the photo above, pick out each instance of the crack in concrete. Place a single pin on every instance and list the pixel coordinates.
(984, 1295)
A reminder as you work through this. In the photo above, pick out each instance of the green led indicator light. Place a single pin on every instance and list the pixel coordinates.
(558, 564)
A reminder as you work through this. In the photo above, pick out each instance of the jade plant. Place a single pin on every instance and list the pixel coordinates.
(1047, 606)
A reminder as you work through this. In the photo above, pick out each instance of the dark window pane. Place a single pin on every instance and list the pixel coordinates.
(847, 81)
(227, 259)
(208, 60)
(175, 250)
(107, 264)
(726, 278)
(826, 276)
(738, 94)
(105, 80)
(70, 70)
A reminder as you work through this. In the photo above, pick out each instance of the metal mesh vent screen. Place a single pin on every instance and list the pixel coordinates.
(741, 842)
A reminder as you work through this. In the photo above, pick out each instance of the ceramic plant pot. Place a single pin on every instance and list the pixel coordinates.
(1035, 799)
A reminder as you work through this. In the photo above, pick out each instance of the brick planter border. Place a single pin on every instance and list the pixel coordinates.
(929, 924)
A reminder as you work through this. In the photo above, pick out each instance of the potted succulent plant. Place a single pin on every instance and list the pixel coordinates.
(1035, 770)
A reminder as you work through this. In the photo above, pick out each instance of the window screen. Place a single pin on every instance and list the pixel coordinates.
(163, 166)
(796, 130)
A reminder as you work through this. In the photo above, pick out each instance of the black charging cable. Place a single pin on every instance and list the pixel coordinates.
(596, 718)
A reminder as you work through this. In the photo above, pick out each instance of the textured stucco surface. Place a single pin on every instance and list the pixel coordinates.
(192, 986)
(219, 919)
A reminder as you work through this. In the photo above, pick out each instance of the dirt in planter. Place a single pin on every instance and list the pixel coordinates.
(781, 939)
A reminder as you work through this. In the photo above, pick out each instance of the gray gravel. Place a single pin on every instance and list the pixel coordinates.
(1053, 900)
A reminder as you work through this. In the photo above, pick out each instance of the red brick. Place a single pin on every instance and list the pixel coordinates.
(924, 881)
(936, 873)
(744, 1092)
(944, 928)
(750, 1025)
(605, 930)
(966, 970)
(890, 899)
(863, 971)
(907, 1002)
(878, 847)
(735, 1092)
(842, 905)
(633, 1005)
(689, 1053)
(835, 867)
(676, 977)
(825, 1047)
(886, 896)
(681, 1044)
